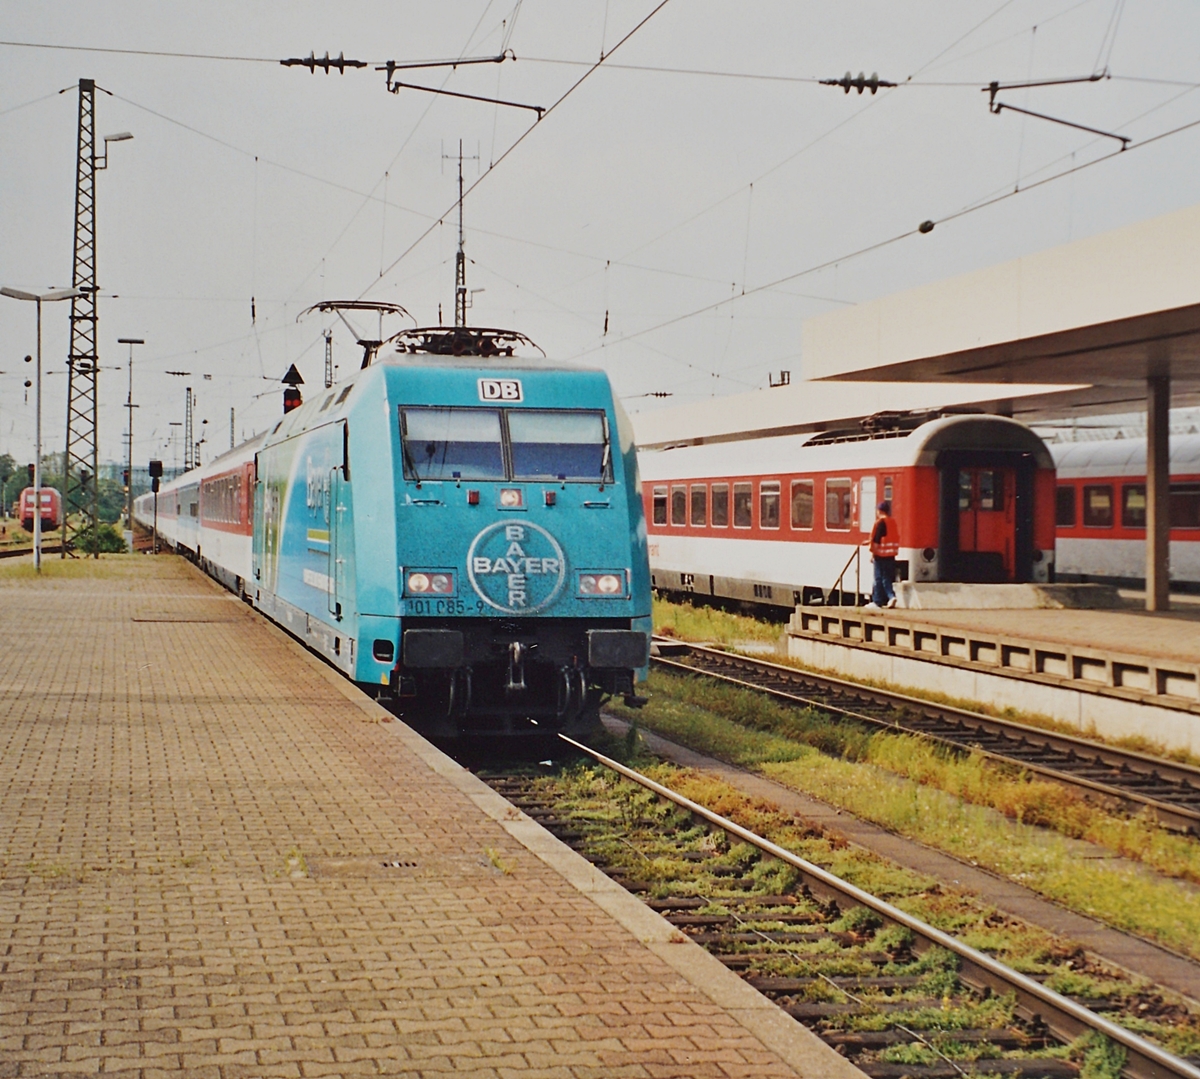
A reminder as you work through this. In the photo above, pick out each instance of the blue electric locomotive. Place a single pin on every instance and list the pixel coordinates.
(462, 536)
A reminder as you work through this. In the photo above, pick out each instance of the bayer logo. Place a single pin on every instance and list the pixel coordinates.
(516, 568)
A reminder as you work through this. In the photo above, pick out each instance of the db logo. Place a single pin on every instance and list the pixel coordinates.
(500, 389)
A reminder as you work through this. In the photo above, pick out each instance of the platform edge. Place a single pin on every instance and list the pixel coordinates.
(791, 1041)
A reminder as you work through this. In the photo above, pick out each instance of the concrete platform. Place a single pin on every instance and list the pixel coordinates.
(1159, 634)
(946, 595)
(1115, 673)
(219, 859)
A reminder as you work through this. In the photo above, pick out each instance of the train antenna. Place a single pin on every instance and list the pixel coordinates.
(461, 298)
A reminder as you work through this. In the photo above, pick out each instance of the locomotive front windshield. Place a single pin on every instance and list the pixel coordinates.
(509, 444)
(452, 443)
(558, 445)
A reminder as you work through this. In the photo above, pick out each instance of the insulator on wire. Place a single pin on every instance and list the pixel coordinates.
(860, 83)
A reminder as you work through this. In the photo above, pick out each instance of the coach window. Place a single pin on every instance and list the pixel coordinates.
(966, 488)
(1098, 506)
(837, 505)
(1185, 505)
(768, 504)
(699, 505)
(743, 500)
(720, 505)
(991, 490)
(1064, 506)
(1133, 505)
(679, 506)
(802, 503)
(660, 506)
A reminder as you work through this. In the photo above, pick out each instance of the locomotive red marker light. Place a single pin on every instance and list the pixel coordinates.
(442, 583)
(472, 498)
(551, 497)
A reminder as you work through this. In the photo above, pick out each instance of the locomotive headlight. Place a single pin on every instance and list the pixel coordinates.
(429, 583)
(601, 584)
(510, 497)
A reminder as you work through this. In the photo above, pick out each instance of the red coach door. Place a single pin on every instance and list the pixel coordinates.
(987, 524)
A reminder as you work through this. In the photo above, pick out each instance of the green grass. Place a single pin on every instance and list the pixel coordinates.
(710, 625)
(647, 840)
(82, 568)
(991, 816)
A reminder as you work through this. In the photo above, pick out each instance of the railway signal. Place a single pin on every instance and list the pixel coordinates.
(156, 471)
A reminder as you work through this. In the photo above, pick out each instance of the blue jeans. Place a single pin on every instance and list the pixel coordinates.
(885, 574)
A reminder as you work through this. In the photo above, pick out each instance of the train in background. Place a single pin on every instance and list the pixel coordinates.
(51, 500)
(459, 531)
(777, 520)
(1101, 511)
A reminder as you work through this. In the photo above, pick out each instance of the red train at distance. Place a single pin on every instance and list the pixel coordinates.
(51, 509)
(776, 520)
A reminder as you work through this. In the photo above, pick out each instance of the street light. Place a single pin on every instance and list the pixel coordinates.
(130, 341)
(39, 298)
(120, 136)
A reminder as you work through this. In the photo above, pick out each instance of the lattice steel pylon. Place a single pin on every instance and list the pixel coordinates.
(81, 494)
(189, 436)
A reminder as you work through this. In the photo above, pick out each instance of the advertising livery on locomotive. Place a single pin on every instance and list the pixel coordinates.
(461, 536)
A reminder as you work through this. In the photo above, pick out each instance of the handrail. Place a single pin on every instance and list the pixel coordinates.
(856, 557)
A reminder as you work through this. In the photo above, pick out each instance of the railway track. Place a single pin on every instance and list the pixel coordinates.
(47, 548)
(894, 994)
(1137, 782)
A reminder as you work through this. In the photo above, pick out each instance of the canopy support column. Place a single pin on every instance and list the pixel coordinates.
(1158, 493)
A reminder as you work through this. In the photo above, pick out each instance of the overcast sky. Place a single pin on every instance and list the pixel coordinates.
(645, 196)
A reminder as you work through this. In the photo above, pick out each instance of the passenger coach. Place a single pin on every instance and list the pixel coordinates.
(1101, 511)
(777, 520)
(463, 537)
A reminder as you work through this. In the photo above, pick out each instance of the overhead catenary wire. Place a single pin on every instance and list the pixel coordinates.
(458, 61)
(264, 160)
(925, 227)
(403, 146)
(26, 104)
(524, 135)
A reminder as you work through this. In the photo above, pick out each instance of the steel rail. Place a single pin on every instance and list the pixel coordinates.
(1090, 755)
(47, 548)
(1064, 1018)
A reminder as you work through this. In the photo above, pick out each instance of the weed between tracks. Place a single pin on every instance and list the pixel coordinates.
(967, 806)
(854, 981)
(702, 624)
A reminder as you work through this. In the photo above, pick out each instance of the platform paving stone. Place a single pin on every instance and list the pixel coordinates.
(195, 818)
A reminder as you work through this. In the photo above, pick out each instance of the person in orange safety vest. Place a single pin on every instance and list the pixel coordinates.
(885, 546)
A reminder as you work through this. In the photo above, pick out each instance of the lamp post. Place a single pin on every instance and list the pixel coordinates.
(130, 341)
(39, 298)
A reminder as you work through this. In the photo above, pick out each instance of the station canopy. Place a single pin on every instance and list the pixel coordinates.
(1105, 314)
(803, 407)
